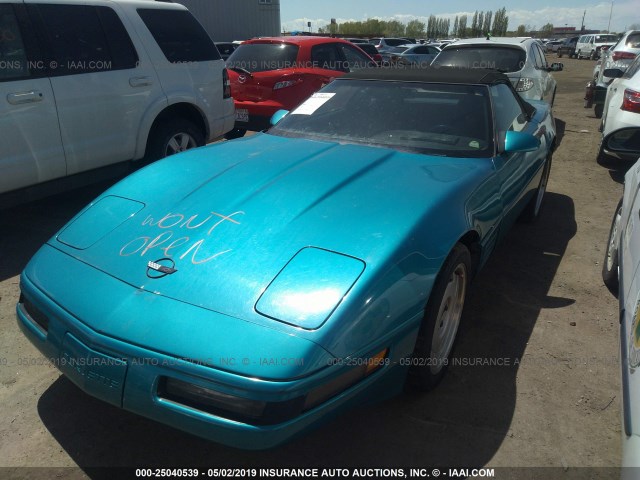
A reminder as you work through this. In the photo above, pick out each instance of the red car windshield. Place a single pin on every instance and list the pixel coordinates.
(261, 57)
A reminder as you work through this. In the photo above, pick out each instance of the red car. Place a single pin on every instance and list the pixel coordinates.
(270, 74)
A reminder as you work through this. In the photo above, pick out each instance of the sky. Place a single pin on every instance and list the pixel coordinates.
(296, 13)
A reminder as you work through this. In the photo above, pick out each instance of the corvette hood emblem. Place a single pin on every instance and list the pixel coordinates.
(161, 268)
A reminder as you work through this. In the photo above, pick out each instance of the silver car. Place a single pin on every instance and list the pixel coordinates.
(417, 55)
(521, 59)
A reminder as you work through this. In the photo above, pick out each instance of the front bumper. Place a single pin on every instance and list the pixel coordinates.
(131, 377)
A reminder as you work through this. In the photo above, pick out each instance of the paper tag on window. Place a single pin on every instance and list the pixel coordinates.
(313, 103)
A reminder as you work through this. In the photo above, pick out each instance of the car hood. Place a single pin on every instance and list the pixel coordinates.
(219, 223)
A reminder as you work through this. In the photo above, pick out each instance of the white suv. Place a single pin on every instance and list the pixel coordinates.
(85, 85)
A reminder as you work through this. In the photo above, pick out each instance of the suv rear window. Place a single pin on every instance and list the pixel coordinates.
(261, 57)
(179, 35)
(633, 40)
(606, 38)
(394, 42)
(503, 59)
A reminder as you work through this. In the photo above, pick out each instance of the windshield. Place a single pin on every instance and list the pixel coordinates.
(606, 38)
(436, 119)
(503, 59)
(260, 57)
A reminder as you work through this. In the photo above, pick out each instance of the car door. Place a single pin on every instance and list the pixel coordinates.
(30, 145)
(518, 172)
(102, 84)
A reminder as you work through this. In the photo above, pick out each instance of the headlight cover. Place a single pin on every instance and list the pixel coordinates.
(310, 287)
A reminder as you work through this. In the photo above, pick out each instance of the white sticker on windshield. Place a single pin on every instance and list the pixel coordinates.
(313, 103)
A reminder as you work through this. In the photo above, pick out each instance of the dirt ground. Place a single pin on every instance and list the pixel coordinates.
(539, 312)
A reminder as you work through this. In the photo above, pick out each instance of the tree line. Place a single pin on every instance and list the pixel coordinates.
(482, 23)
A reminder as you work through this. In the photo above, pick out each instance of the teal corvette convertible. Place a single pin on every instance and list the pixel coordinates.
(249, 290)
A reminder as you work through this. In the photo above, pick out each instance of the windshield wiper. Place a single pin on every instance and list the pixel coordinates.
(241, 70)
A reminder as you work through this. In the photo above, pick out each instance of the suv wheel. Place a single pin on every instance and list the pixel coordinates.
(578, 56)
(592, 56)
(173, 136)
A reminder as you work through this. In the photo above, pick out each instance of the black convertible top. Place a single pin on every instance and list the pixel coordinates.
(469, 76)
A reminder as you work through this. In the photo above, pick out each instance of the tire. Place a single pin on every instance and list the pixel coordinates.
(235, 133)
(610, 264)
(592, 55)
(173, 136)
(578, 56)
(442, 315)
(532, 211)
(559, 54)
(598, 110)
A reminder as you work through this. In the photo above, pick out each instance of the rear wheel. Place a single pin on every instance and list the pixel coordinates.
(610, 264)
(578, 55)
(441, 320)
(592, 55)
(171, 137)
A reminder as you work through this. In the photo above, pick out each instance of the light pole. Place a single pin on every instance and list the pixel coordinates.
(610, 14)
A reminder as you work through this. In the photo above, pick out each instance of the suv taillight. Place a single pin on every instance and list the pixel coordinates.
(631, 101)
(622, 56)
(524, 84)
(226, 84)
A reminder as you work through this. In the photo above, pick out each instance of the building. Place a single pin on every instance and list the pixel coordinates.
(228, 20)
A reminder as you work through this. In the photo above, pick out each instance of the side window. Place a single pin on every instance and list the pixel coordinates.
(326, 56)
(535, 58)
(123, 54)
(13, 56)
(75, 38)
(508, 111)
(82, 39)
(179, 35)
(421, 50)
(354, 59)
(540, 54)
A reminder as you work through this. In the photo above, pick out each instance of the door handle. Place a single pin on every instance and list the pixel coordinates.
(19, 98)
(140, 81)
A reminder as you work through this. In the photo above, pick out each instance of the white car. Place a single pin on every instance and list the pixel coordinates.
(589, 46)
(622, 275)
(621, 109)
(86, 85)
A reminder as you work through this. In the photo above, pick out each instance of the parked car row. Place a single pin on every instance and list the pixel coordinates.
(620, 56)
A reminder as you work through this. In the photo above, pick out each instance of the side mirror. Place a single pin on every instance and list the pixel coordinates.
(279, 115)
(556, 67)
(624, 142)
(613, 72)
(520, 142)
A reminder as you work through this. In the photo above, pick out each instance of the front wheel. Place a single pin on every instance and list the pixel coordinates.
(235, 133)
(598, 110)
(578, 55)
(441, 320)
(173, 136)
(610, 264)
